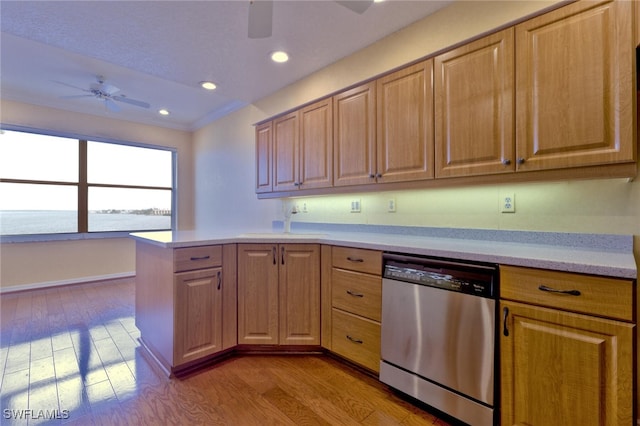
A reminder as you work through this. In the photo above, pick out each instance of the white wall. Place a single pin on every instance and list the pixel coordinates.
(72, 261)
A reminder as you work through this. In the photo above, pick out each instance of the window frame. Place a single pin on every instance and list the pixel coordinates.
(83, 186)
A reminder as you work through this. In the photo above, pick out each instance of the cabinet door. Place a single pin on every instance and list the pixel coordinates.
(198, 314)
(285, 152)
(264, 155)
(316, 145)
(560, 368)
(257, 294)
(574, 70)
(299, 294)
(405, 124)
(354, 141)
(474, 90)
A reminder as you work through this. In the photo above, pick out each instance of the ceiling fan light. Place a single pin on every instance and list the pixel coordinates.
(279, 56)
(163, 111)
(208, 85)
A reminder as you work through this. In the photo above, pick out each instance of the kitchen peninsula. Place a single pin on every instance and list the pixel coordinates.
(193, 305)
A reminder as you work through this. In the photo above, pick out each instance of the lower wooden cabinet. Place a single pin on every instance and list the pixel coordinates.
(560, 367)
(279, 294)
(352, 304)
(198, 326)
(186, 302)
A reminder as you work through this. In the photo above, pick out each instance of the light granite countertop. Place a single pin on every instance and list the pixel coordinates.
(597, 254)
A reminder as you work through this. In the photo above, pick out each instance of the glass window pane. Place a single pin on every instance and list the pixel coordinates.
(38, 209)
(125, 209)
(128, 165)
(38, 157)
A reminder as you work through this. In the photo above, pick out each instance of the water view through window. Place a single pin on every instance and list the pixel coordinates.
(43, 190)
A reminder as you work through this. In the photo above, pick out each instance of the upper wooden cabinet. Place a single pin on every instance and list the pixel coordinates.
(574, 101)
(354, 140)
(264, 157)
(302, 149)
(552, 98)
(405, 124)
(474, 91)
(316, 145)
(285, 152)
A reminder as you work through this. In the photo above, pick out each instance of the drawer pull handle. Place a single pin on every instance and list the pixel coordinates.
(354, 294)
(201, 258)
(505, 314)
(355, 259)
(553, 290)
(354, 340)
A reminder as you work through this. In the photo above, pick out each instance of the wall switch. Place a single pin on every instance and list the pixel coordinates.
(508, 203)
(355, 206)
(391, 205)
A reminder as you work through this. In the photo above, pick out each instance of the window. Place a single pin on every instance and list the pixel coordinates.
(52, 185)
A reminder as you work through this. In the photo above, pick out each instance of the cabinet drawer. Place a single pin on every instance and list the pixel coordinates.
(191, 258)
(600, 296)
(358, 293)
(353, 259)
(356, 338)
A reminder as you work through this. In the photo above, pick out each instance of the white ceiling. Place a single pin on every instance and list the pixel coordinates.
(158, 51)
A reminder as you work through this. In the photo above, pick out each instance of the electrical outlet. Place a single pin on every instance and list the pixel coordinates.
(304, 208)
(508, 203)
(355, 206)
(391, 205)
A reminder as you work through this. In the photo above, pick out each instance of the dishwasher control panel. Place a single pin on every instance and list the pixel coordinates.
(450, 275)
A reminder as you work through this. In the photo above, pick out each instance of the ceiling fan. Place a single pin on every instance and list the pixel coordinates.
(261, 15)
(106, 92)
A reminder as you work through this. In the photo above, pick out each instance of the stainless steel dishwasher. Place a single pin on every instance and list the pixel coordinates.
(438, 334)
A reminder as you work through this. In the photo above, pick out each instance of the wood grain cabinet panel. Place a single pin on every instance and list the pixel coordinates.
(474, 96)
(279, 294)
(285, 152)
(257, 294)
(354, 142)
(559, 368)
(264, 157)
(405, 124)
(566, 357)
(198, 314)
(186, 302)
(316, 145)
(352, 304)
(574, 80)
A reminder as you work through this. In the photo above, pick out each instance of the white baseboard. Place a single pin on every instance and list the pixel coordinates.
(47, 284)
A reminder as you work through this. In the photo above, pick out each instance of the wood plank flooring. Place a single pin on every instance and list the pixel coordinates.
(71, 355)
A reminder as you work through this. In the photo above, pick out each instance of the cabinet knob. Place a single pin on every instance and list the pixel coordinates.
(506, 162)
(379, 175)
(520, 160)
(371, 176)
(296, 183)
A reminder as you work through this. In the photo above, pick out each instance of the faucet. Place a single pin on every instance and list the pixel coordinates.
(287, 216)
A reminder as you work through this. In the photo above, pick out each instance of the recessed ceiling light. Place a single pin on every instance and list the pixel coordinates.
(208, 85)
(279, 56)
(163, 112)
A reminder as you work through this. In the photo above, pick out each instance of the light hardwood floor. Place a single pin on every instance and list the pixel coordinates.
(73, 353)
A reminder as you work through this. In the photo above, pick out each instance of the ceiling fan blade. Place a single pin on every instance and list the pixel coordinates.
(70, 85)
(358, 6)
(76, 96)
(111, 106)
(130, 101)
(260, 18)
